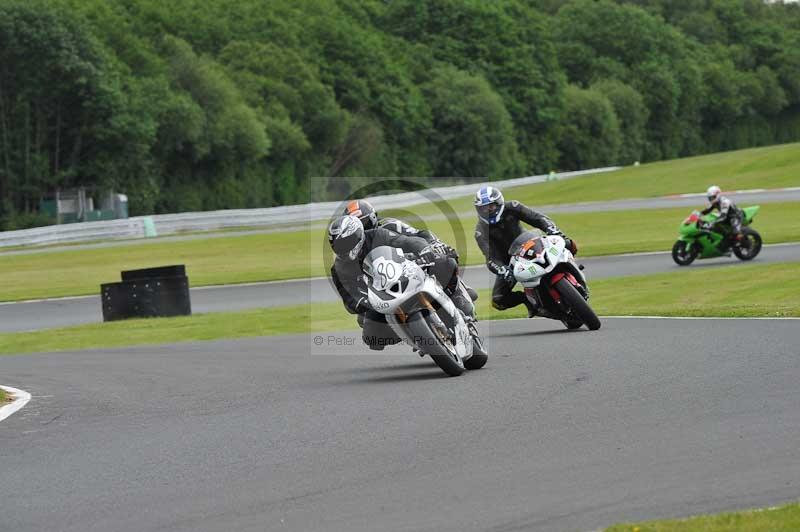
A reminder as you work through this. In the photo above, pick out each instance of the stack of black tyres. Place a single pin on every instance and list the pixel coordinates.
(147, 293)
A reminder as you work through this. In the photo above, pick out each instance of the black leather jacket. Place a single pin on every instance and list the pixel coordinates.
(727, 210)
(495, 239)
(347, 275)
(401, 228)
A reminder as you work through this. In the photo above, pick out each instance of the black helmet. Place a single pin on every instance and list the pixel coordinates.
(364, 211)
(346, 236)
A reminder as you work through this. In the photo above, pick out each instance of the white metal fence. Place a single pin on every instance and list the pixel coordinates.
(286, 216)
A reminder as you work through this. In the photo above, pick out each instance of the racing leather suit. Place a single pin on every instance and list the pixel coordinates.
(348, 278)
(729, 214)
(494, 241)
(402, 228)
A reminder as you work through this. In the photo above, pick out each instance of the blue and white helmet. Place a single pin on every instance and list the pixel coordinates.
(490, 204)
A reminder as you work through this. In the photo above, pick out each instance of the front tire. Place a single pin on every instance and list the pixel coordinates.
(430, 336)
(753, 248)
(681, 256)
(574, 300)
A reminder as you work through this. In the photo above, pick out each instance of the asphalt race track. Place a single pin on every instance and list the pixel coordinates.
(644, 418)
(75, 311)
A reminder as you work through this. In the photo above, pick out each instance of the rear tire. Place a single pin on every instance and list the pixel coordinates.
(572, 324)
(681, 256)
(574, 300)
(479, 355)
(423, 330)
(754, 239)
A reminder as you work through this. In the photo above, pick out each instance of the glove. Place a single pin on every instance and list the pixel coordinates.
(428, 255)
(571, 245)
(442, 249)
(506, 273)
(451, 252)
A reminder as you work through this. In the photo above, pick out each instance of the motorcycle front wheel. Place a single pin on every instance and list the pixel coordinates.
(579, 306)
(431, 337)
(681, 256)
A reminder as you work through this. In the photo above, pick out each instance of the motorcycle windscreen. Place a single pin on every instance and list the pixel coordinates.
(527, 245)
(375, 263)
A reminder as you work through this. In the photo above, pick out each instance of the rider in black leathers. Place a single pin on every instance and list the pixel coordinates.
(352, 244)
(730, 216)
(364, 211)
(498, 226)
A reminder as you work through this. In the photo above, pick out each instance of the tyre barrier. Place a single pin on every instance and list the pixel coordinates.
(147, 293)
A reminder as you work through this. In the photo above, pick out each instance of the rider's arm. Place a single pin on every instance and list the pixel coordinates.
(413, 244)
(724, 211)
(350, 298)
(533, 218)
(402, 228)
(493, 263)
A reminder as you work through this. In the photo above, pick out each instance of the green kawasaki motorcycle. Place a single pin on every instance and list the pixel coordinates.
(697, 241)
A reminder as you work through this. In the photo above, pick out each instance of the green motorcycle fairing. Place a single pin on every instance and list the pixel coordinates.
(707, 242)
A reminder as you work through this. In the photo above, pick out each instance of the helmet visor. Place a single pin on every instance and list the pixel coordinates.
(488, 211)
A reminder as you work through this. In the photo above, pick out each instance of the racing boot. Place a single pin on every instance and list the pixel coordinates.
(463, 303)
(462, 296)
(533, 308)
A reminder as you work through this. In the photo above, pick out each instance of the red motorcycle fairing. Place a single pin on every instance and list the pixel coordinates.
(556, 278)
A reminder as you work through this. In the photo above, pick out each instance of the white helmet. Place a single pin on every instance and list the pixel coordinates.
(713, 193)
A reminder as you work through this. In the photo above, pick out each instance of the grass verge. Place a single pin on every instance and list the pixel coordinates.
(738, 291)
(4, 398)
(782, 519)
(275, 256)
(767, 167)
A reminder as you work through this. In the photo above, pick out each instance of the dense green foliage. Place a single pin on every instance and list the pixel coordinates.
(196, 105)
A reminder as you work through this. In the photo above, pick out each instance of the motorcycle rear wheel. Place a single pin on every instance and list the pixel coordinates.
(574, 300)
(754, 247)
(681, 256)
(429, 341)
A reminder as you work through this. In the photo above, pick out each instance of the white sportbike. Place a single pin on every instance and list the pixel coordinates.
(420, 312)
(552, 280)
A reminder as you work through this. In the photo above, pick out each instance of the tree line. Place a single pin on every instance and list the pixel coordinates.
(197, 104)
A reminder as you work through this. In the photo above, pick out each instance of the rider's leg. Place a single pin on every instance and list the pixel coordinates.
(446, 272)
(503, 296)
(376, 333)
(736, 226)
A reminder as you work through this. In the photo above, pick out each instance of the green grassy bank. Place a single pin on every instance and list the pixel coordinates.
(782, 519)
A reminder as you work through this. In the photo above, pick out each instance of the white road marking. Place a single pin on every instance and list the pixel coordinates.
(21, 399)
(699, 318)
(781, 318)
(46, 299)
